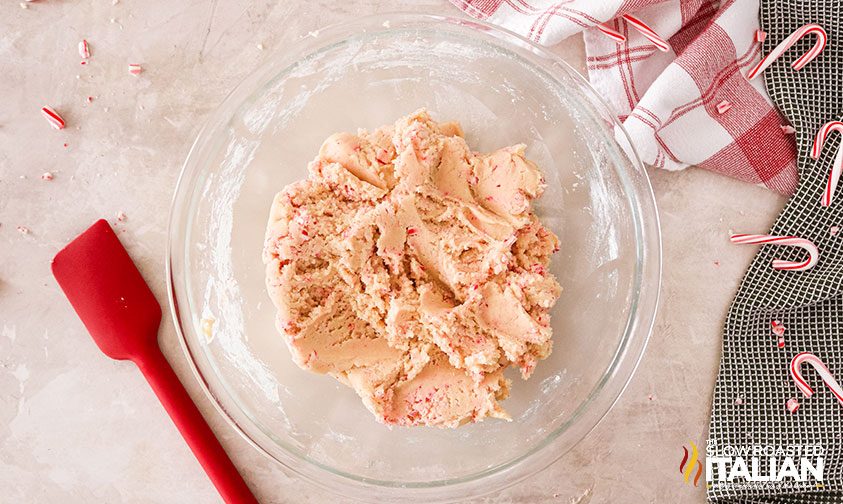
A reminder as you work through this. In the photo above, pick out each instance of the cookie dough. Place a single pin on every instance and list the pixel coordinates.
(413, 270)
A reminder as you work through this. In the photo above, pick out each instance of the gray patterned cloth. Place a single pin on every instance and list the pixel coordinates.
(754, 383)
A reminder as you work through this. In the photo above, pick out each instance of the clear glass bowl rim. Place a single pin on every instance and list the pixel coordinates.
(589, 413)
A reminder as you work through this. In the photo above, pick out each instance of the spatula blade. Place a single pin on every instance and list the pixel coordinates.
(108, 293)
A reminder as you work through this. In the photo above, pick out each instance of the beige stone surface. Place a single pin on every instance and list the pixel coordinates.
(76, 427)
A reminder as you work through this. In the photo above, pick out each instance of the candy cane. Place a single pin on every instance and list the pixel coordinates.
(834, 175)
(822, 369)
(789, 42)
(660, 43)
(612, 33)
(52, 117)
(813, 252)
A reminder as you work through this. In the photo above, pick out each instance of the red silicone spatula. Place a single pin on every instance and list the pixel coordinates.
(115, 304)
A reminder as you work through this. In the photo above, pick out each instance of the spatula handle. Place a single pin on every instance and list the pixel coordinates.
(194, 429)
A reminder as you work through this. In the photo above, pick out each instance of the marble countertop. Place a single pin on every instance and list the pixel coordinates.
(76, 427)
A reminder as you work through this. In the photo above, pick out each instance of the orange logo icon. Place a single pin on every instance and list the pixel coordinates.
(690, 460)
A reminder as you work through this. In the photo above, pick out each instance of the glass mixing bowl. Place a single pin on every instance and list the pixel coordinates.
(504, 90)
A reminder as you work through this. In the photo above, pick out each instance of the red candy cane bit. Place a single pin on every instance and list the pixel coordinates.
(813, 252)
(611, 33)
(411, 231)
(766, 61)
(792, 405)
(837, 165)
(52, 117)
(777, 328)
(723, 107)
(135, 69)
(84, 49)
(821, 368)
(660, 43)
(780, 342)
(788, 129)
(760, 36)
(48, 176)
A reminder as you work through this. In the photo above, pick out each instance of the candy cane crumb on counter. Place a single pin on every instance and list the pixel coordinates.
(84, 49)
(135, 69)
(52, 117)
(821, 369)
(47, 176)
(23, 230)
(792, 405)
(723, 106)
(779, 264)
(121, 216)
(790, 41)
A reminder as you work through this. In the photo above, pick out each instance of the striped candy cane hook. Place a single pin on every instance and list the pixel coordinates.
(822, 369)
(813, 252)
(642, 27)
(789, 42)
(837, 166)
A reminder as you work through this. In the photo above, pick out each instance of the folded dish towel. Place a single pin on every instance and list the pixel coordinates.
(674, 72)
(755, 382)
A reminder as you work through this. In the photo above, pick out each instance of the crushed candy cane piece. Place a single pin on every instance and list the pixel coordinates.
(386, 24)
(121, 217)
(790, 41)
(23, 6)
(23, 230)
(739, 401)
(780, 342)
(777, 327)
(47, 176)
(807, 245)
(260, 47)
(833, 230)
(84, 49)
(53, 117)
(135, 69)
(89, 99)
(792, 405)
(723, 107)
(788, 129)
(760, 35)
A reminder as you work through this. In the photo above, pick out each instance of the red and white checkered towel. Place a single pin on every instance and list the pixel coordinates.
(668, 101)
